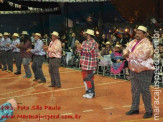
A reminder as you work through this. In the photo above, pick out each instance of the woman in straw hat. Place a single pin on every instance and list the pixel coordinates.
(39, 58)
(139, 55)
(88, 60)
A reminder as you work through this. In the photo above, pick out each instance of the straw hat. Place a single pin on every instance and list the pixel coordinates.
(24, 32)
(142, 28)
(6, 34)
(16, 34)
(55, 33)
(107, 42)
(1, 35)
(90, 32)
(38, 34)
(117, 45)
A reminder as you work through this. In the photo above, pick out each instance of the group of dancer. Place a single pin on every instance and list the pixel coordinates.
(138, 53)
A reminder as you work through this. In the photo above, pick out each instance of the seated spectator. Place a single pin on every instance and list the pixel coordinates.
(118, 60)
(107, 49)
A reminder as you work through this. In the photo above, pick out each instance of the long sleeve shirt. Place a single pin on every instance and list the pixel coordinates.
(38, 50)
(141, 55)
(55, 49)
(23, 49)
(13, 45)
(5, 42)
(6, 111)
(89, 53)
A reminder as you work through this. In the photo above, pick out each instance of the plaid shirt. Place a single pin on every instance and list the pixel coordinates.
(89, 53)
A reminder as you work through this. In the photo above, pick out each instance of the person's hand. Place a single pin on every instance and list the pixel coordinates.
(118, 61)
(7, 45)
(17, 45)
(28, 50)
(13, 103)
(45, 47)
(126, 54)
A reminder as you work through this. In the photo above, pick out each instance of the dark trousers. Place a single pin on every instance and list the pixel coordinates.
(37, 67)
(18, 61)
(88, 78)
(4, 59)
(54, 64)
(9, 60)
(140, 83)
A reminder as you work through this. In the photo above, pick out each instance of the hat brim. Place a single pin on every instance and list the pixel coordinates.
(89, 34)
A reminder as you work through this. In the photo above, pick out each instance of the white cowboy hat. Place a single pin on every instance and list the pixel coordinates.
(24, 32)
(142, 28)
(6, 34)
(38, 34)
(55, 33)
(16, 34)
(90, 32)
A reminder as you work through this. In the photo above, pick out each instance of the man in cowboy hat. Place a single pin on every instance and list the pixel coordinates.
(88, 60)
(16, 52)
(1, 49)
(139, 55)
(54, 52)
(7, 54)
(39, 58)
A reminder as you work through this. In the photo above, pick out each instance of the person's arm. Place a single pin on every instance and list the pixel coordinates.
(38, 47)
(13, 46)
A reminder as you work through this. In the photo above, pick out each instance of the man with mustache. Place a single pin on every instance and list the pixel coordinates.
(139, 54)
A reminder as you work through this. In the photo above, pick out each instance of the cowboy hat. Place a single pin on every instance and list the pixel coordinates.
(55, 33)
(16, 34)
(90, 32)
(107, 42)
(142, 28)
(1, 35)
(38, 34)
(6, 34)
(117, 45)
(24, 32)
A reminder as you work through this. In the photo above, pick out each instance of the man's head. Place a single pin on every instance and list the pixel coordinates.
(103, 36)
(37, 36)
(89, 34)
(6, 35)
(141, 33)
(55, 35)
(73, 34)
(15, 36)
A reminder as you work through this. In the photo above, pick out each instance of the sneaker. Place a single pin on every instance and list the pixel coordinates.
(28, 76)
(88, 96)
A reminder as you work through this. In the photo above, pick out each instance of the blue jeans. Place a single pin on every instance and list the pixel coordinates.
(26, 62)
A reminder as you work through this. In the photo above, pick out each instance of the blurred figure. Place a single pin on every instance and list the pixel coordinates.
(107, 50)
(6, 109)
(1, 49)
